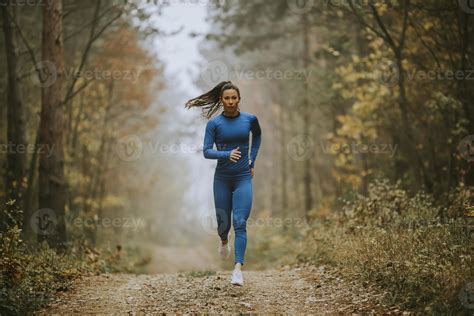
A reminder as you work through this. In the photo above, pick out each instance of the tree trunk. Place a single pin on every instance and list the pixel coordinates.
(283, 169)
(16, 155)
(28, 233)
(308, 200)
(52, 194)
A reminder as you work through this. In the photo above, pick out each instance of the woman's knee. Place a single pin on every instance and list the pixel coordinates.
(240, 223)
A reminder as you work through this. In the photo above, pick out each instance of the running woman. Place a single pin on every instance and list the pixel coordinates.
(234, 172)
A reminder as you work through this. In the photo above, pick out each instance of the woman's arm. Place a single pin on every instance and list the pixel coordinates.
(209, 139)
(256, 140)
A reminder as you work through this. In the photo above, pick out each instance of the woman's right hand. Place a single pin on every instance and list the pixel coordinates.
(235, 154)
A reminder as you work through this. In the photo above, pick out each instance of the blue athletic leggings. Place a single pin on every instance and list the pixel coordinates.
(233, 197)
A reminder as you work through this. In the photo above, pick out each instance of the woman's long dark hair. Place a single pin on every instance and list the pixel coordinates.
(210, 102)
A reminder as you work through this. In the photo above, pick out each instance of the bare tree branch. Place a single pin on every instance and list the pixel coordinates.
(387, 36)
(93, 37)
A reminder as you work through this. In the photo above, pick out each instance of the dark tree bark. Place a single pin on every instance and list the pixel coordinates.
(16, 155)
(52, 194)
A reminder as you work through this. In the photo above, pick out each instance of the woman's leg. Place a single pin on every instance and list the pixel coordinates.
(223, 205)
(242, 204)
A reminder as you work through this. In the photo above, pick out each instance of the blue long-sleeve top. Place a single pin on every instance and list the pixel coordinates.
(229, 133)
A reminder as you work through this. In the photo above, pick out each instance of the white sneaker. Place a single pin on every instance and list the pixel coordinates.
(237, 277)
(224, 250)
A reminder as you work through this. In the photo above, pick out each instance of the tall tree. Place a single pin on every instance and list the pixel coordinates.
(16, 155)
(52, 196)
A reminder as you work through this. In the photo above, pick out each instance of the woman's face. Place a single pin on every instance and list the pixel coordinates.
(230, 100)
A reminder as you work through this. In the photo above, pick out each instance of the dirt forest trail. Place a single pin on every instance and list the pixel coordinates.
(177, 259)
(289, 289)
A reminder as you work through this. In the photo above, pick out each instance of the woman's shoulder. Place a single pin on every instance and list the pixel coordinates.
(248, 114)
(211, 122)
(214, 119)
